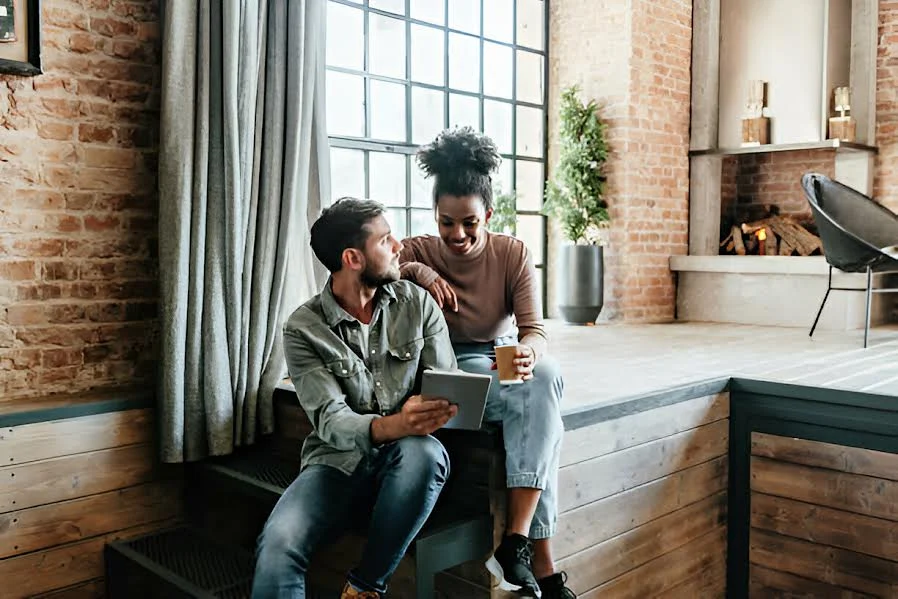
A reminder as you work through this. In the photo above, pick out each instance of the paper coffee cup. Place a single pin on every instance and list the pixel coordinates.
(508, 372)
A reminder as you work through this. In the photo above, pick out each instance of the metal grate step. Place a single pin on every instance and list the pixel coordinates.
(181, 562)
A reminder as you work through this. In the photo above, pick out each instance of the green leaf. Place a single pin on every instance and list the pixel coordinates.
(575, 195)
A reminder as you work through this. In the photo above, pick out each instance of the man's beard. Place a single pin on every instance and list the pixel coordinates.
(373, 279)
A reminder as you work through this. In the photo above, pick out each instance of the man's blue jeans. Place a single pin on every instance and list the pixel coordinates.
(397, 487)
(530, 414)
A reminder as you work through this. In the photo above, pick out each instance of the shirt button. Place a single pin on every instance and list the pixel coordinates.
(377, 383)
(408, 355)
(345, 371)
(373, 352)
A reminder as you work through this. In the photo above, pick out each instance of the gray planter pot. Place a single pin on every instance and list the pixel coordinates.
(580, 283)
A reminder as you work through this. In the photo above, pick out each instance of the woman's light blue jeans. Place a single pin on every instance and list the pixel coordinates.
(394, 491)
(530, 415)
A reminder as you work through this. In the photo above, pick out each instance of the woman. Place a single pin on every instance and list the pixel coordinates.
(483, 281)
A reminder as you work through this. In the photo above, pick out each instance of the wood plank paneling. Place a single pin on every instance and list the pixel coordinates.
(54, 524)
(92, 589)
(70, 477)
(837, 567)
(824, 519)
(616, 556)
(773, 584)
(850, 492)
(585, 526)
(43, 440)
(585, 482)
(710, 583)
(659, 576)
(836, 528)
(63, 566)
(635, 429)
(854, 460)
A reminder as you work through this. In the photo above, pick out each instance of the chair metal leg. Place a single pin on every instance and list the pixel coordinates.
(829, 285)
(869, 304)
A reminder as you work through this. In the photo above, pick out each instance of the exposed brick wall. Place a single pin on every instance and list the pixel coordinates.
(772, 179)
(78, 270)
(633, 57)
(885, 187)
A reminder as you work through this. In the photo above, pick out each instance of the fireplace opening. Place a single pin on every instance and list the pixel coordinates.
(763, 208)
(773, 234)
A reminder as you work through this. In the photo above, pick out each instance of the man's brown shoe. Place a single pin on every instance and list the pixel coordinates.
(351, 593)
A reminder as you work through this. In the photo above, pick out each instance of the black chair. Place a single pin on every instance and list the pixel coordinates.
(852, 228)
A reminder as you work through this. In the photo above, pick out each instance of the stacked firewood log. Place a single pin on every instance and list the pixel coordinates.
(774, 235)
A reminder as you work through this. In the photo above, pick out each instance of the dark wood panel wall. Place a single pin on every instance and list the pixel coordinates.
(824, 519)
(68, 486)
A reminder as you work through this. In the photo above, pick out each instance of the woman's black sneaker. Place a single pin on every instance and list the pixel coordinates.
(511, 565)
(553, 587)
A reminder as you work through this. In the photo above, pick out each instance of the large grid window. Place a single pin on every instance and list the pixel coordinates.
(400, 71)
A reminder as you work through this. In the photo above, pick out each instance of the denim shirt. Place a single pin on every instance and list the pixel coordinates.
(340, 389)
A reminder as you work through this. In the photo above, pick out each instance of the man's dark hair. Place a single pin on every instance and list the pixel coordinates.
(460, 161)
(342, 226)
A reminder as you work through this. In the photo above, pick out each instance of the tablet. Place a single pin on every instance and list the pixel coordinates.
(466, 390)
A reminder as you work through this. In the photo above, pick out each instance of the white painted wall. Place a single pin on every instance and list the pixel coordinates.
(781, 42)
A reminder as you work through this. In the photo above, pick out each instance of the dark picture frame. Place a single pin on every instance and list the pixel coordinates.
(31, 65)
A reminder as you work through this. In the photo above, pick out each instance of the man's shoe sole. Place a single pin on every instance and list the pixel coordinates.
(495, 568)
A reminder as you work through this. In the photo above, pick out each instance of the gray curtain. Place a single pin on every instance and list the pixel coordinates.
(242, 167)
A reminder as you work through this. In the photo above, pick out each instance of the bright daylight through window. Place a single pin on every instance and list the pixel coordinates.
(400, 71)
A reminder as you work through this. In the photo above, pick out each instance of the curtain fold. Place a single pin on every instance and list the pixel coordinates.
(243, 165)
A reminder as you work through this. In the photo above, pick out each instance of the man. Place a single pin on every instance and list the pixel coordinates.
(354, 353)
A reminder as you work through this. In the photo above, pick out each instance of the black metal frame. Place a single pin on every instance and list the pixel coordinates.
(848, 418)
(31, 66)
(409, 148)
(869, 290)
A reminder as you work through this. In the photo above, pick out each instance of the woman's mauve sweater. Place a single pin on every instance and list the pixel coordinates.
(493, 281)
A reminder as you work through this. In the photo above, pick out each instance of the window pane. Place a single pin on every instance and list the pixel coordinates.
(530, 231)
(502, 178)
(497, 70)
(464, 110)
(345, 104)
(422, 188)
(530, 131)
(347, 173)
(497, 123)
(464, 62)
(540, 275)
(529, 184)
(498, 20)
(397, 219)
(347, 49)
(428, 55)
(386, 182)
(387, 50)
(530, 77)
(464, 15)
(387, 111)
(530, 23)
(432, 11)
(423, 222)
(428, 114)
(396, 6)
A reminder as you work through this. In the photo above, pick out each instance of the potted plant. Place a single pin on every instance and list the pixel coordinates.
(575, 199)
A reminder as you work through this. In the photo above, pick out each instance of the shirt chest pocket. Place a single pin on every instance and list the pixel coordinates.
(402, 364)
(351, 378)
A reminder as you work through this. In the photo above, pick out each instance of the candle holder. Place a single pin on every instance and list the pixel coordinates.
(756, 120)
(842, 127)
